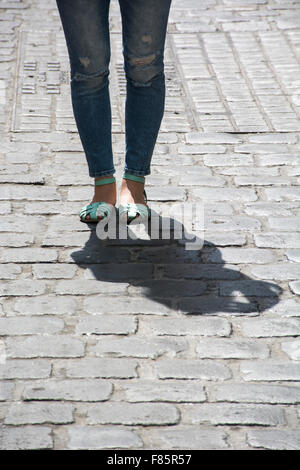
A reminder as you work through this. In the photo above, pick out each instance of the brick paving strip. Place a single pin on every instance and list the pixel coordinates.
(147, 345)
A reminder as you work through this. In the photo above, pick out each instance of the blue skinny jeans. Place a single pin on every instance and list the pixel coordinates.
(86, 28)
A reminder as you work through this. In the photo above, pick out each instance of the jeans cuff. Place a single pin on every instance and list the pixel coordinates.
(96, 174)
(137, 172)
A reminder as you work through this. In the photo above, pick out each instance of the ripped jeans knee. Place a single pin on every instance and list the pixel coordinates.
(147, 79)
(86, 83)
(142, 71)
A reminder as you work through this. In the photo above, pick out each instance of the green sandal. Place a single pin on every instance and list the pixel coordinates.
(97, 209)
(131, 211)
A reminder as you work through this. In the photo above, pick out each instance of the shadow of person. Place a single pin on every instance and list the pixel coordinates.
(185, 273)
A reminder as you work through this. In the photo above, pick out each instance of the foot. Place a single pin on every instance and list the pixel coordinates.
(132, 192)
(106, 193)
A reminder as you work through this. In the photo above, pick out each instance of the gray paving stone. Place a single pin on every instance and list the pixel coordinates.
(227, 413)
(276, 138)
(65, 240)
(53, 207)
(41, 193)
(25, 438)
(16, 239)
(145, 414)
(295, 287)
(250, 171)
(45, 305)
(277, 240)
(45, 345)
(5, 207)
(224, 194)
(270, 208)
(190, 437)
(114, 271)
(228, 160)
(99, 367)
(225, 239)
(278, 194)
(210, 304)
(22, 287)
(10, 271)
(162, 193)
(270, 371)
(23, 147)
(261, 180)
(293, 255)
(124, 305)
(188, 326)
(30, 325)
(292, 349)
(169, 138)
(29, 255)
(21, 159)
(19, 224)
(269, 327)
(285, 223)
(261, 148)
(91, 255)
(139, 347)
(25, 369)
(169, 288)
(280, 271)
(55, 271)
(221, 208)
(6, 390)
(230, 223)
(238, 255)
(275, 439)
(198, 149)
(30, 178)
(87, 287)
(105, 324)
(39, 413)
(293, 171)
(57, 224)
(202, 271)
(192, 369)
(96, 437)
(248, 287)
(280, 159)
(286, 308)
(211, 138)
(68, 390)
(247, 26)
(195, 180)
(256, 393)
(219, 348)
(167, 391)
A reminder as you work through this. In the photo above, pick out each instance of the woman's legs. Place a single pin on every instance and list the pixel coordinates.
(144, 26)
(86, 28)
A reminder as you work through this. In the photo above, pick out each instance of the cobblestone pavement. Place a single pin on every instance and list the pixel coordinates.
(145, 345)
